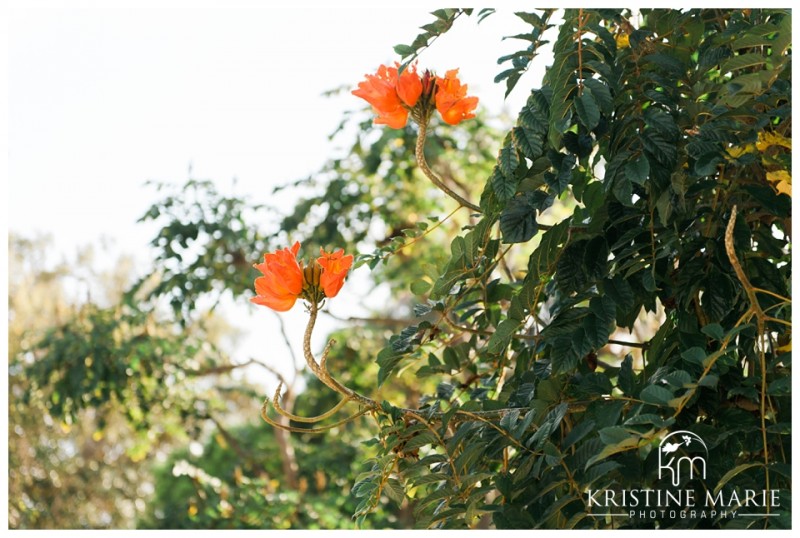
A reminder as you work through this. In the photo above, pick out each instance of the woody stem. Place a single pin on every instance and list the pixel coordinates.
(321, 372)
(423, 165)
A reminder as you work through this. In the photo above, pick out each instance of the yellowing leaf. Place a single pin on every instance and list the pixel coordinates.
(781, 180)
(737, 151)
(221, 441)
(767, 139)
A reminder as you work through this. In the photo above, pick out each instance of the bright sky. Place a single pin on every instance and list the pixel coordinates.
(102, 100)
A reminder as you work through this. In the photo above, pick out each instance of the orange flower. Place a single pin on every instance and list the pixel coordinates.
(282, 282)
(451, 99)
(409, 86)
(391, 97)
(334, 268)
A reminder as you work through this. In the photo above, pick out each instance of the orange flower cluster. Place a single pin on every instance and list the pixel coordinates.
(393, 96)
(285, 279)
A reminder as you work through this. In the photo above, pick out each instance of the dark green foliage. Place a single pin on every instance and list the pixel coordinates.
(641, 126)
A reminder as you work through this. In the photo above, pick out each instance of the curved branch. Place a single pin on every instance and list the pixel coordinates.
(276, 403)
(321, 429)
(423, 165)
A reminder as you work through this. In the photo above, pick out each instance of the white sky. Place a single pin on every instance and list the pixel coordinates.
(101, 100)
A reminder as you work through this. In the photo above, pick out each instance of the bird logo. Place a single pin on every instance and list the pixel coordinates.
(681, 453)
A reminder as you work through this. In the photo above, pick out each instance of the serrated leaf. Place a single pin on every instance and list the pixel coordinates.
(601, 94)
(388, 360)
(518, 221)
(394, 490)
(577, 433)
(595, 383)
(542, 260)
(638, 170)
(707, 164)
(504, 186)
(502, 336)
(570, 271)
(588, 111)
(742, 61)
(595, 333)
(528, 142)
(508, 158)
(422, 439)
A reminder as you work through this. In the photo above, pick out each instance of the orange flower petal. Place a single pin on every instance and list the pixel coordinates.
(381, 91)
(451, 99)
(335, 267)
(279, 305)
(282, 282)
(409, 86)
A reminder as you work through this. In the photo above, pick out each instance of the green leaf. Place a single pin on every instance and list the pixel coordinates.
(734, 472)
(713, 330)
(508, 158)
(404, 50)
(570, 271)
(625, 379)
(577, 433)
(387, 359)
(559, 182)
(601, 94)
(504, 186)
(742, 61)
(780, 387)
(609, 450)
(518, 220)
(710, 381)
(638, 171)
(394, 490)
(696, 355)
(595, 383)
(502, 336)
(542, 260)
(588, 111)
(596, 332)
(656, 395)
(707, 164)
(614, 435)
(420, 287)
(648, 419)
(529, 142)
(422, 439)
